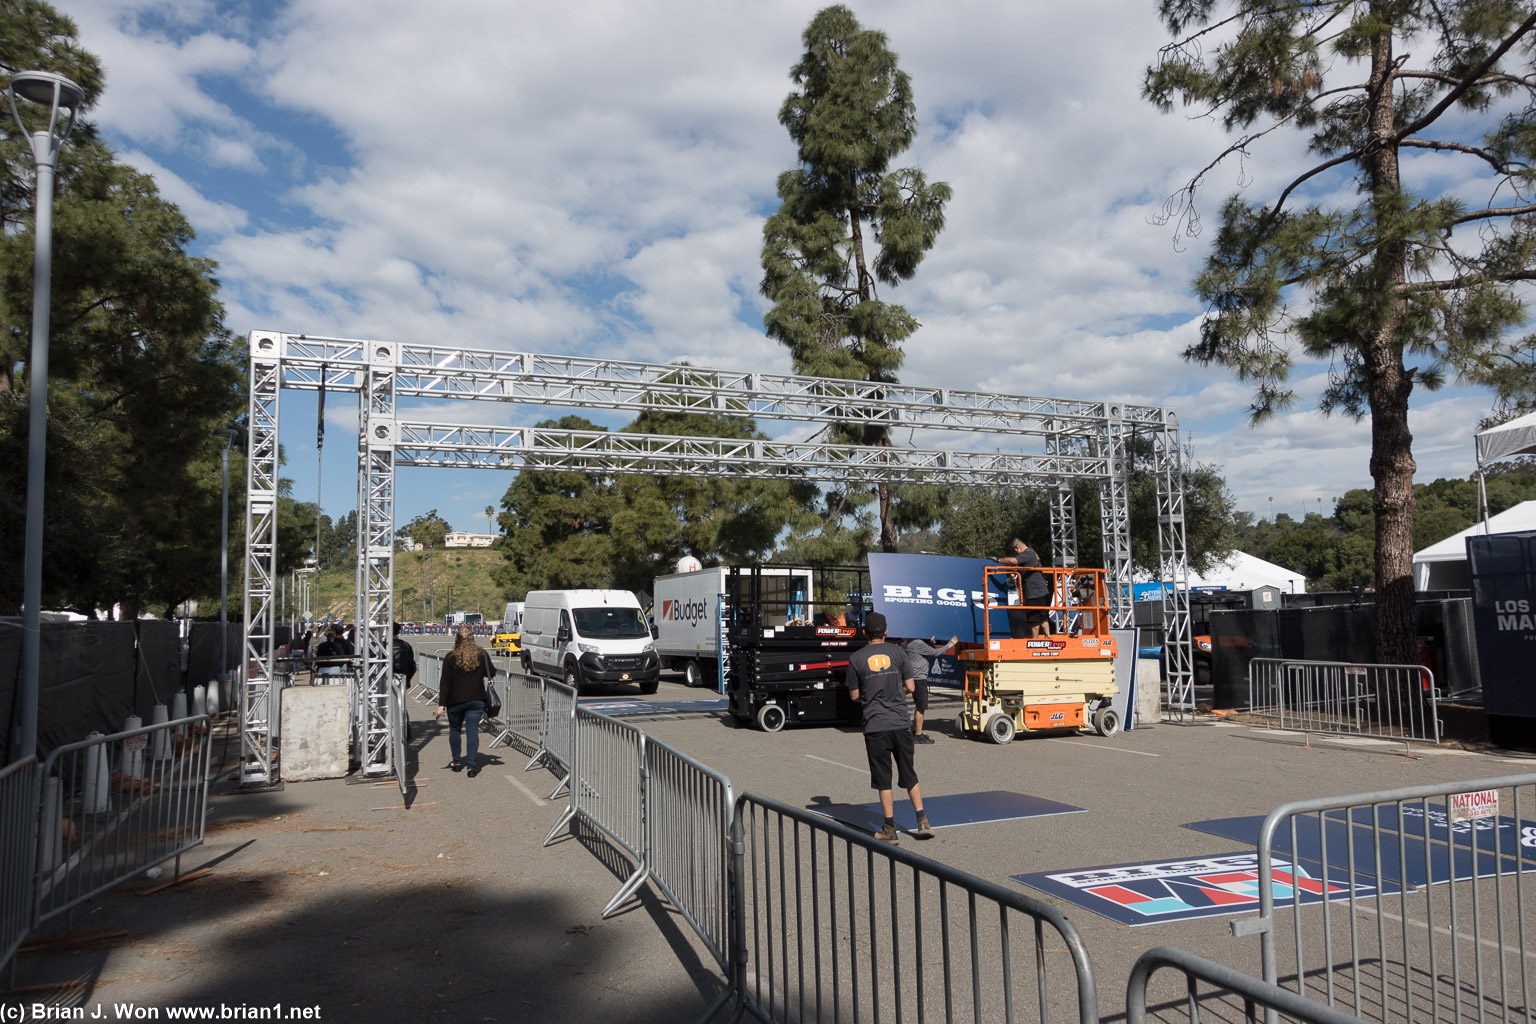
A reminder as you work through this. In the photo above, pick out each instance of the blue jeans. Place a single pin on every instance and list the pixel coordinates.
(466, 716)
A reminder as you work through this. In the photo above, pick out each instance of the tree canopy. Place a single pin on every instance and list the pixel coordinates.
(1402, 286)
(142, 370)
(851, 113)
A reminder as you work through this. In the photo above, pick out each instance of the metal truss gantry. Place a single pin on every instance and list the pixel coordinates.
(1082, 441)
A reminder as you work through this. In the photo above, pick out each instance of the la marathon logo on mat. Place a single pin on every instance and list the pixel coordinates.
(1179, 890)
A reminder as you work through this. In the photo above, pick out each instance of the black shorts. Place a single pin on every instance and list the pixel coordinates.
(920, 694)
(880, 748)
(1033, 610)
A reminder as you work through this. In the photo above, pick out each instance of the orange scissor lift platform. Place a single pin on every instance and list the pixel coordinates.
(1061, 680)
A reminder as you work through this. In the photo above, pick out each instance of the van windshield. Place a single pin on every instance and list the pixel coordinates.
(611, 623)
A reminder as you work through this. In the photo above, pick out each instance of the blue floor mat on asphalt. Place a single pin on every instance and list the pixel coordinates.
(947, 811)
(1404, 858)
(620, 707)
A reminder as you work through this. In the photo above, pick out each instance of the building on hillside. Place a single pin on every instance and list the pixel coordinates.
(464, 539)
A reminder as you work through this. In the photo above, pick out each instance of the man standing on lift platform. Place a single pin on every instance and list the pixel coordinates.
(1036, 591)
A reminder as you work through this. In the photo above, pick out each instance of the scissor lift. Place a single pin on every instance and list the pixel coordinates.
(1059, 681)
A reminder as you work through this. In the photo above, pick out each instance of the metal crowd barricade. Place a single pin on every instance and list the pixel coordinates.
(687, 853)
(607, 790)
(559, 731)
(429, 675)
(522, 712)
(1394, 702)
(1253, 992)
(832, 924)
(98, 826)
(1427, 904)
(399, 720)
(18, 846)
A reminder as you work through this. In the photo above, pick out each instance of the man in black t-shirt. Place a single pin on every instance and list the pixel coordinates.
(1037, 590)
(878, 677)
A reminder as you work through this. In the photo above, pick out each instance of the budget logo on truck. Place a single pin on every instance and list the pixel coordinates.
(691, 612)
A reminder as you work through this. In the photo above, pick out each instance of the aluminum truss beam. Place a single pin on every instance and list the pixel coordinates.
(436, 444)
(429, 371)
(1084, 441)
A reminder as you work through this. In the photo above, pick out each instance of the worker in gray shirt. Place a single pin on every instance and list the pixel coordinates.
(918, 653)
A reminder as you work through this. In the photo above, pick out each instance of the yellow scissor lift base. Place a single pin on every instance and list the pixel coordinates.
(1049, 682)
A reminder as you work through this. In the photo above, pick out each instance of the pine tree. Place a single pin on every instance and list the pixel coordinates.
(846, 221)
(1386, 289)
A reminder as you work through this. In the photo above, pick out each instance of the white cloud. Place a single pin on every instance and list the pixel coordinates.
(591, 177)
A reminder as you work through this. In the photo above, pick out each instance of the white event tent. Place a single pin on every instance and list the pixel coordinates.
(1242, 571)
(1517, 437)
(1443, 565)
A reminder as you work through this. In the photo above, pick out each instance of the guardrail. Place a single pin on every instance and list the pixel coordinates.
(1254, 993)
(98, 827)
(607, 790)
(1426, 908)
(832, 923)
(18, 846)
(1395, 702)
(522, 711)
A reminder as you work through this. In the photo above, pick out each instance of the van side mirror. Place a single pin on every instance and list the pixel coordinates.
(563, 635)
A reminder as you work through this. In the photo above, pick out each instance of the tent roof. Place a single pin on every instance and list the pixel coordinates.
(1517, 437)
(1242, 571)
(1454, 548)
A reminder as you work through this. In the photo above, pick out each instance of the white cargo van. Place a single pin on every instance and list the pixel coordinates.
(589, 636)
(687, 606)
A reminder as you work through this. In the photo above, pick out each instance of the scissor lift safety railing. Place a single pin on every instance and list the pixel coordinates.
(1429, 908)
(1083, 441)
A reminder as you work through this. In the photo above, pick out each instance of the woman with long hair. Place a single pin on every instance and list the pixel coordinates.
(461, 694)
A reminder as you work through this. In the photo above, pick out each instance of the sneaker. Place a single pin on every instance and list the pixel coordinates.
(924, 830)
(888, 835)
(922, 738)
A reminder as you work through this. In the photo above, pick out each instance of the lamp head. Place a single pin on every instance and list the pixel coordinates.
(228, 436)
(50, 90)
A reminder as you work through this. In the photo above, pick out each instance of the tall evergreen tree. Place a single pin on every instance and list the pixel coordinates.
(851, 113)
(1386, 289)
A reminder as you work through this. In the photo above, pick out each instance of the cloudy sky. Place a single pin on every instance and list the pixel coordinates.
(591, 177)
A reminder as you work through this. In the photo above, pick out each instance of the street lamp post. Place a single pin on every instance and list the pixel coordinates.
(228, 437)
(56, 93)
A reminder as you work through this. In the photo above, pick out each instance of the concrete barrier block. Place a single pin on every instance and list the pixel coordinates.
(1149, 691)
(314, 733)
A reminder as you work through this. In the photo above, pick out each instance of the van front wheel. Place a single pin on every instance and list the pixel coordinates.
(573, 676)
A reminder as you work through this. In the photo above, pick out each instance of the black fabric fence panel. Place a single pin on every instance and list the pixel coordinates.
(1237, 637)
(203, 652)
(10, 675)
(86, 681)
(159, 668)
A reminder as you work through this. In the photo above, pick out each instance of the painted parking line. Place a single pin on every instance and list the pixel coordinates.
(839, 764)
(952, 810)
(1101, 746)
(538, 801)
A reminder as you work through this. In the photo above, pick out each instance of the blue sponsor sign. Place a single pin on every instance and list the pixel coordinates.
(933, 595)
(1194, 887)
(1503, 570)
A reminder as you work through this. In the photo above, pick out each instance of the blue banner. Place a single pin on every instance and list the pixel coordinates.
(1503, 569)
(932, 596)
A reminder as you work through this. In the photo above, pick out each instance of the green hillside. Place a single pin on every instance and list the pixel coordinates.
(461, 581)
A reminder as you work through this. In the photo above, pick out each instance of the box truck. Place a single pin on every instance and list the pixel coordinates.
(686, 606)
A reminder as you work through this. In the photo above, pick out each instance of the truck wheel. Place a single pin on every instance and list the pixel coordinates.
(692, 676)
(1106, 721)
(770, 718)
(1000, 728)
(572, 676)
